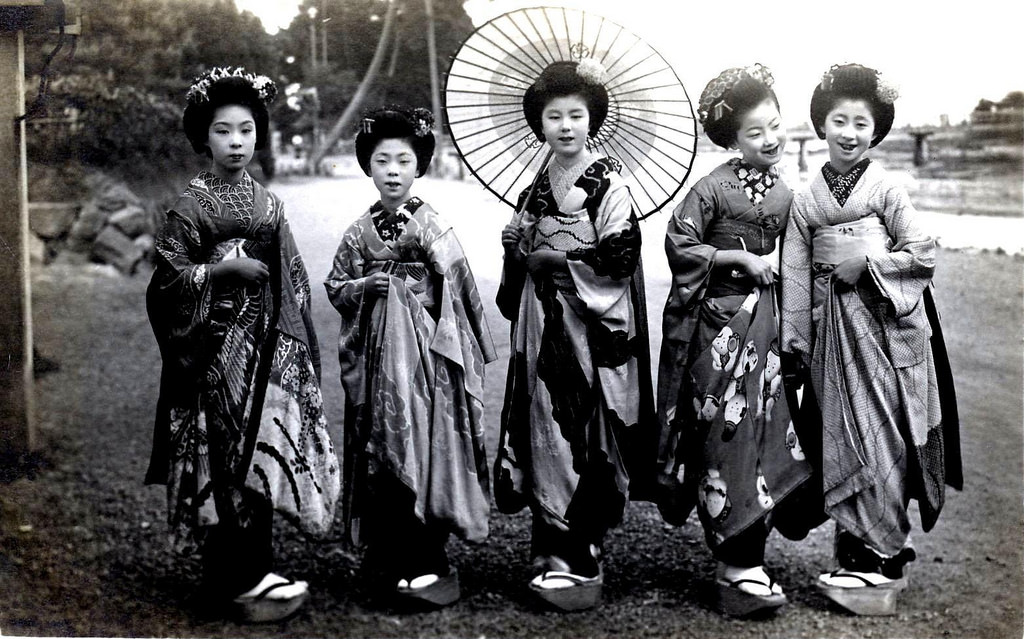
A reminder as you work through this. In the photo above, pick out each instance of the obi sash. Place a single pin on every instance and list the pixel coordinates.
(728, 234)
(834, 244)
(564, 233)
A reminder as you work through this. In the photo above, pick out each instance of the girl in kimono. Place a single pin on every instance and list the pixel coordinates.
(413, 346)
(578, 405)
(859, 318)
(728, 446)
(240, 428)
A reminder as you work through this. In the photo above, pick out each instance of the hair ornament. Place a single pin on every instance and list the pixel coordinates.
(826, 80)
(717, 109)
(887, 91)
(423, 121)
(591, 70)
(714, 99)
(761, 73)
(366, 125)
(197, 92)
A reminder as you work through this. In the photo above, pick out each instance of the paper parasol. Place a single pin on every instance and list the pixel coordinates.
(650, 126)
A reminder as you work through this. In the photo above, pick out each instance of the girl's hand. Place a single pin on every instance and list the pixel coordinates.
(377, 284)
(751, 266)
(545, 261)
(850, 270)
(244, 269)
(511, 235)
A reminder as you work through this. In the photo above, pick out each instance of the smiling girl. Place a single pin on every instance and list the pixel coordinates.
(413, 346)
(578, 401)
(859, 318)
(728, 446)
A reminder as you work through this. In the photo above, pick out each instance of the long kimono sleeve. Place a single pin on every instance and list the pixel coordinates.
(690, 260)
(180, 293)
(602, 275)
(902, 274)
(296, 304)
(513, 273)
(797, 284)
(345, 283)
(462, 335)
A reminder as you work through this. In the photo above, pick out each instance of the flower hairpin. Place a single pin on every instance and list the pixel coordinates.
(761, 73)
(886, 91)
(423, 122)
(265, 88)
(590, 70)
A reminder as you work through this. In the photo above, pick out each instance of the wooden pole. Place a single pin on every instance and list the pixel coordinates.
(17, 408)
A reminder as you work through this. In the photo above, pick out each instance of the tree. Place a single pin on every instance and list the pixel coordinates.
(1013, 99)
(131, 68)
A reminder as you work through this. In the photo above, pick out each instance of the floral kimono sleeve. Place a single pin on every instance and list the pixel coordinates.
(179, 296)
(902, 274)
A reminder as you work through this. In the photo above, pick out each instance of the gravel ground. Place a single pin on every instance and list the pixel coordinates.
(83, 542)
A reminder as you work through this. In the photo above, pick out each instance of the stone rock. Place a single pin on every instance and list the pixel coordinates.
(145, 242)
(51, 220)
(91, 220)
(117, 249)
(132, 220)
(36, 249)
(114, 197)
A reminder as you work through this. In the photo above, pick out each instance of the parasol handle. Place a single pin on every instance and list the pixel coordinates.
(517, 219)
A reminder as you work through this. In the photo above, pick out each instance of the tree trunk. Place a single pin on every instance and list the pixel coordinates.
(345, 121)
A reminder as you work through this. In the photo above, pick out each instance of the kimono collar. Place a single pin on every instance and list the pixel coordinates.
(842, 184)
(390, 225)
(756, 183)
(563, 178)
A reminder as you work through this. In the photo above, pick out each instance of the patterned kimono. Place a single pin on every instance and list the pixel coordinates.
(727, 441)
(412, 366)
(578, 412)
(877, 363)
(240, 407)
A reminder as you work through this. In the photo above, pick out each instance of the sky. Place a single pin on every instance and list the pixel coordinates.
(943, 56)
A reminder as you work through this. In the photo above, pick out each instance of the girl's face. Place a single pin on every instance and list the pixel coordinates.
(760, 136)
(565, 123)
(232, 140)
(849, 129)
(393, 168)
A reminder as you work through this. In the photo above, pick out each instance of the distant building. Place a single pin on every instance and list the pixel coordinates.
(1010, 110)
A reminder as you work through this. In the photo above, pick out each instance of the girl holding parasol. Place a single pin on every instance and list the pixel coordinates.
(578, 402)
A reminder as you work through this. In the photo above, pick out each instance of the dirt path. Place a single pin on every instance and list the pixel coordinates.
(82, 543)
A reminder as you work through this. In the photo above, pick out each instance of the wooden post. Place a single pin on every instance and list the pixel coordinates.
(435, 84)
(921, 145)
(17, 408)
(801, 134)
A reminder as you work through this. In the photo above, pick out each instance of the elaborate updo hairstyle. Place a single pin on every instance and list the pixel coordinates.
(855, 82)
(561, 79)
(223, 86)
(396, 122)
(727, 98)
